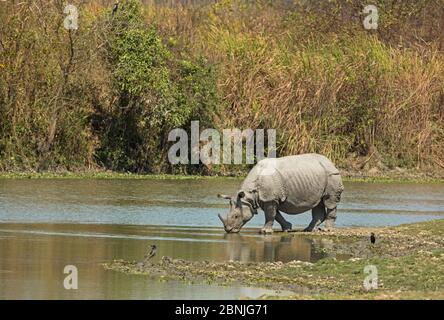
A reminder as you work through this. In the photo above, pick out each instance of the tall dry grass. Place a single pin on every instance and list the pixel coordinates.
(326, 84)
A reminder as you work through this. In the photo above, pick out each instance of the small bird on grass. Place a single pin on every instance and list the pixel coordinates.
(115, 8)
(372, 238)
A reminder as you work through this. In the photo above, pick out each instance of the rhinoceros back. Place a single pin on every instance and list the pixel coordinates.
(296, 182)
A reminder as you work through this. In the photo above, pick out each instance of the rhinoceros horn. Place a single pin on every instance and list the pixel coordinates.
(222, 219)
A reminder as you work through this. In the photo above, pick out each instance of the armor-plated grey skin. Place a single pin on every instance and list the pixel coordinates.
(292, 185)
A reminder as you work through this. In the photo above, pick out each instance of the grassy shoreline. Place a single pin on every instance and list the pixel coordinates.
(383, 177)
(409, 259)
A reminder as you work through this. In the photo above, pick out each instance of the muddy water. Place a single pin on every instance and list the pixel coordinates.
(48, 224)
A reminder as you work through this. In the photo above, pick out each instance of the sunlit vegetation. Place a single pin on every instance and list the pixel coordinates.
(106, 95)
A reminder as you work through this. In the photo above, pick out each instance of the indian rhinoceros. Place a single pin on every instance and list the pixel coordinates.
(292, 185)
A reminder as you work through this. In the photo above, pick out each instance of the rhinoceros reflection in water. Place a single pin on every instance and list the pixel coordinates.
(247, 248)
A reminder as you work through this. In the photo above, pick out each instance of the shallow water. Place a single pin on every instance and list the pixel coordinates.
(194, 202)
(34, 256)
(48, 224)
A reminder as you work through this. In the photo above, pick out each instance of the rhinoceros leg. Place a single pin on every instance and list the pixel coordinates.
(318, 216)
(270, 210)
(330, 218)
(286, 226)
(331, 199)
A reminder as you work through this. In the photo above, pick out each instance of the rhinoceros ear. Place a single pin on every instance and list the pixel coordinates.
(241, 194)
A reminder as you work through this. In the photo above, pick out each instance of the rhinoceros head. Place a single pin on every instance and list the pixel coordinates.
(240, 213)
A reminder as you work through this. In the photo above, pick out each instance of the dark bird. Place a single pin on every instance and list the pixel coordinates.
(152, 253)
(372, 238)
(115, 8)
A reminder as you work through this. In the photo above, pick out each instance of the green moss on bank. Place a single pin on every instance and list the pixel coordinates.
(104, 175)
(119, 175)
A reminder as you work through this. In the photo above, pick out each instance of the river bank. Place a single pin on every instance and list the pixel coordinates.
(372, 175)
(409, 261)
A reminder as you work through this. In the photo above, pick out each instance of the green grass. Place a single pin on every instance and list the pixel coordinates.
(385, 179)
(104, 175)
(134, 176)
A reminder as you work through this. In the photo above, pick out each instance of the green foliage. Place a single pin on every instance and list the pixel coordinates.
(139, 62)
(157, 92)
